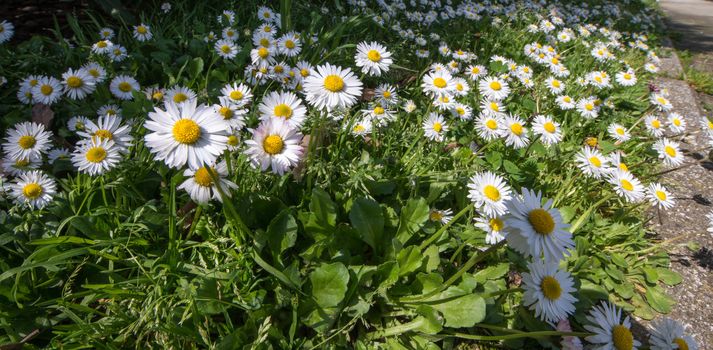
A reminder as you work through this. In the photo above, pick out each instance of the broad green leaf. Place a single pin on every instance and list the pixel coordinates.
(430, 321)
(329, 284)
(413, 215)
(492, 272)
(195, 67)
(650, 274)
(669, 277)
(282, 232)
(410, 260)
(658, 300)
(367, 219)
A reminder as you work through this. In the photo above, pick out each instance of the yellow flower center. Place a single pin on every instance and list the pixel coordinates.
(263, 52)
(96, 154)
(225, 49)
(494, 106)
(437, 127)
(555, 60)
(541, 221)
(459, 87)
(233, 140)
(304, 72)
(475, 70)
(46, 90)
(623, 166)
(598, 79)
(186, 131)
(589, 106)
(203, 177)
(460, 110)
(444, 99)
(180, 97)
(440, 82)
(32, 190)
(226, 112)
(435, 215)
(117, 52)
(567, 99)
(670, 151)
(516, 129)
(661, 100)
(102, 44)
(22, 163)
(267, 29)
(622, 338)
(289, 44)
(124, 86)
(677, 122)
(661, 195)
(34, 82)
(142, 30)
(27, 142)
(627, 76)
(386, 94)
(273, 144)
(620, 131)
(74, 82)
(379, 110)
(549, 127)
(655, 123)
(79, 126)
(496, 86)
(556, 83)
(682, 345)
(373, 56)
(359, 128)
(104, 134)
(551, 288)
(491, 192)
(496, 224)
(236, 95)
(158, 95)
(283, 111)
(595, 161)
(491, 124)
(333, 83)
(625, 184)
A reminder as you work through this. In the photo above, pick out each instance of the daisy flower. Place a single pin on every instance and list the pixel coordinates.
(659, 196)
(494, 88)
(227, 17)
(233, 115)
(592, 162)
(33, 188)
(616, 161)
(95, 156)
(515, 132)
(262, 56)
(265, 14)
(284, 105)
(476, 72)
(275, 145)
(489, 193)
(492, 108)
(332, 87)
(618, 132)
(610, 331)
(289, 45)
(661, 102)
(118, 53)
(587, 108)
(410, 106)
(97, 72)
(494, 228)
(18, 166)
(627, 78)
(106, 33)
(668, 334)
(676, 123)
(373, 58)
(489, 127)
(27, 140)
(537, 230)
(201, 186)
(386, 95)
(180, 95)
(444, 102)
(554, 85)
(7, 30)
(462, 111)
(361, 127)
(565, 102)
(240, 95)
(109, 127)
(654, 125)
(109, 109)
(186, 134)
(102, 46)
(47, 91)
(438, 83)
(122, 86)
(442, 216)
(626, 185)
(548, 291)
(547, 129)
(56, 154)
(77, 83)
(435, 127)
(226, 49)
(668, 151)
(142, 32)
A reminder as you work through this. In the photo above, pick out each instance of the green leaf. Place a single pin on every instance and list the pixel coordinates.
(669, 277)
(511, 168)
(658, 300)
(650, 274)
(410, 260)
(495, 159)
(492, 272)
(329, 284)
(464, 311)
(413, 215)
(282, 232)
(619, 260)
(195, 68)
(322, 217)
(430, 321)
(367, 219)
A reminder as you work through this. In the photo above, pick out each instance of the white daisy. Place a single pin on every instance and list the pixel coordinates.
(592, 162)
(180, 95)
(489, 193)
(659, 196)
(547, 129)
(461, 87)
(110, 109)
(494, 88)
(492, 108)
(106, 33)
(284, 105)
(588, 108)
(240, 95)
(442, 216)
(56, 154)
(654, 125)
(489, 127)
(18, 166)
(668, 334)
(332, 87)
(668, 151)
(434, 127)
(47, 91)
(102, 46)
(118, 53)
(462, 111)
(438, 83)
(386, 95)
(234, 116)
(373, 58)
(676, 123)
(289, 45)
(275, 145)
(555, 85)
(142, 32)
(548, 291)
(535, 229)
(77, 83)
(627, 78)
(201, 186)
(361, 127)
(494, 228)
(27, 140)
(565, 102)
(618, 132)
(661, 102)
(186, 134)
(95, 156)
(226, 49)
(7, 30)
(515, 132)
(109, 127)
(122, 86)
(616, 162)
(33, 188)
(626, 185)
(475, 72)
(97, 72)
(610, 331)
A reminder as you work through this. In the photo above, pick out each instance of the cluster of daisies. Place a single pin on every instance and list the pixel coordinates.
(196, 137)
